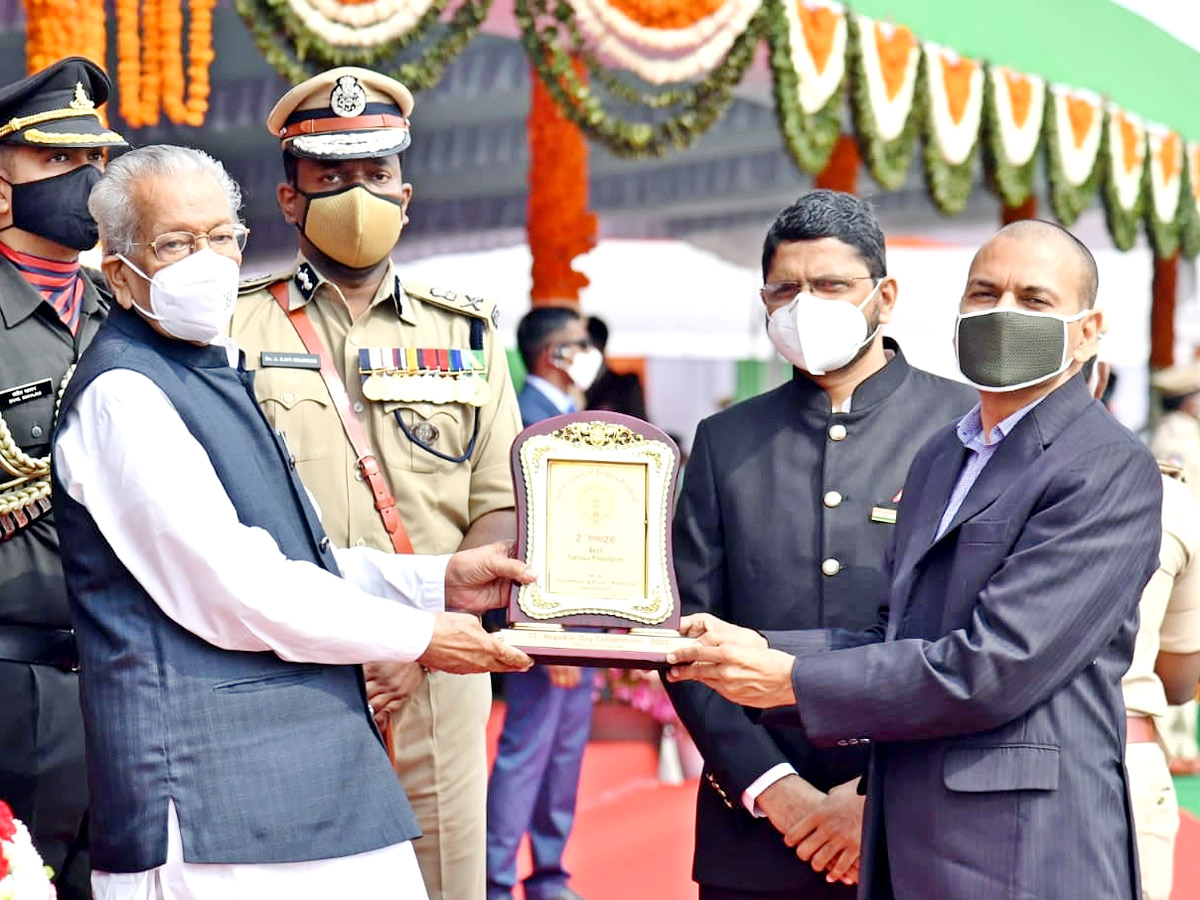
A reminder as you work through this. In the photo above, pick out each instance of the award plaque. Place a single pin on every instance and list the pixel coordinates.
(595, 493)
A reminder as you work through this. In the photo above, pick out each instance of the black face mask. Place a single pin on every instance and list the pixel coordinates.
(56, 208)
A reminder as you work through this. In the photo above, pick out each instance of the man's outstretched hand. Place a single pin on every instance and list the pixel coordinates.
(460, 645)
(481, 578)
(749, 676)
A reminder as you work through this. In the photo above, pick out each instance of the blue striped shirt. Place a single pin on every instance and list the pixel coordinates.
(970, 432)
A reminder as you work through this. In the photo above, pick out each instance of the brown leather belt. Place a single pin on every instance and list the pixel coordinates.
(1140, 730)
(37, 646)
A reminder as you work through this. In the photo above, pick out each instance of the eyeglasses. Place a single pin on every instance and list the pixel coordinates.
(583, 344)
(827, 287)
(175, 245)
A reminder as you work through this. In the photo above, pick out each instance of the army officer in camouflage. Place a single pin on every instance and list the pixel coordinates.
(426, 379)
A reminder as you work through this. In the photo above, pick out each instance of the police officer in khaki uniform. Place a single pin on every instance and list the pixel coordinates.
(53, 146)
(427, 379)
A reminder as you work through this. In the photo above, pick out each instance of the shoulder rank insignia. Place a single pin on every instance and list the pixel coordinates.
(262, 282)
(465, 304)
(424, 375)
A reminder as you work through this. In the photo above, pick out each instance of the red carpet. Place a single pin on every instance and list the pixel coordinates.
(633, 836)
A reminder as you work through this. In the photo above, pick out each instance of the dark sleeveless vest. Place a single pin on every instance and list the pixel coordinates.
(267, 761)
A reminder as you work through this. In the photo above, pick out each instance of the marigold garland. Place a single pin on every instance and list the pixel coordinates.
(151, 71)
(953, 112)
(58, 28)
(1013, 113)
(560, 227)
(1070, 194)
(900, 78)
(1122, 164)
(1163, 189)
(810, 136)
(1189, 201)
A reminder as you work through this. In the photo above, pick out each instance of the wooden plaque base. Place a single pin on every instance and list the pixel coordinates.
(645, 648)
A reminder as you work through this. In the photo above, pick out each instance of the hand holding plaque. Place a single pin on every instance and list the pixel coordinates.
(595, 492)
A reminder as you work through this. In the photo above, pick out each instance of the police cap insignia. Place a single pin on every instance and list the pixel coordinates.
(349, 97)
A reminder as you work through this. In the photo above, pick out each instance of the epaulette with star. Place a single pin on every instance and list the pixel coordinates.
(456, 301)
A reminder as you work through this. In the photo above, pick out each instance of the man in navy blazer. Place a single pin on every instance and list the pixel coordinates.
(989, 689)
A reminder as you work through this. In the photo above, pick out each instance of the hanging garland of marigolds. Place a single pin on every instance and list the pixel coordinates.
(151, 70)
(1013, 113)
(1123, 161)
(1163, 190)
(953, 112)
(58, 28)
(1189, 202)
(1074, 127)
(552, 38)
(808, 40)
(885, 68)
(300, 38)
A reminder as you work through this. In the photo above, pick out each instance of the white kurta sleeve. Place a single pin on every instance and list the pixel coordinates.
(124, 453)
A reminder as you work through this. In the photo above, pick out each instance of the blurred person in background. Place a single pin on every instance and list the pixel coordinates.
(616, 391)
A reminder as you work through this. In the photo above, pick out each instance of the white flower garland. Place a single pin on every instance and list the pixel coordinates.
(1078, 160)
(27, 876)
(359, 25)
(955, 140)
(891, 114)
(1164, 193)
(663, 55)
(815, 88)
(1019, 141)
(1126, 183)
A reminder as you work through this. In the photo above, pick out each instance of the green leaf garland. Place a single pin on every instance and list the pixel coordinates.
(1122, 223)
(810, 139)
(296, 52)
(887, 161)
(1189, 217)
(1012, 184)
(543, 23)
(1067, 200)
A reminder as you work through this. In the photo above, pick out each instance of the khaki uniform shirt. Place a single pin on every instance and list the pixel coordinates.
(1169, 611)
(1177, 440)
(440, 488)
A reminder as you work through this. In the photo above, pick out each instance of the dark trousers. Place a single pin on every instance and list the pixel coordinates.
(535, 779)
(42, 775)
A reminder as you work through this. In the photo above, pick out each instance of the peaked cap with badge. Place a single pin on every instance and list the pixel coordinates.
(58, 107)
(344, 113)
(1178, 381)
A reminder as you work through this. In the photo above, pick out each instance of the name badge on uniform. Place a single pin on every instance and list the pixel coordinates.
(23, 393)
(269, 359)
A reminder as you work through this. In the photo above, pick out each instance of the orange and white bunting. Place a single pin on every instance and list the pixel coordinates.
(1019, 103)
(1166, 172)
(1127, 147)
(890, 58)
(354, 23)
(817, 36)
(955, 86)
(664, 41)
(1079, 123)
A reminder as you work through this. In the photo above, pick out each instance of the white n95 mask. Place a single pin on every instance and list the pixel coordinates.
(193, 299)
(820, 336)
(584, 367)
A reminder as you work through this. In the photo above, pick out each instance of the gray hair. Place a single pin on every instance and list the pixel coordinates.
(111, 201)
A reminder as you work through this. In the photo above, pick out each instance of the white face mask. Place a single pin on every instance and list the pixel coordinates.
(820, 336)
(584, 367)
(193, 299)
